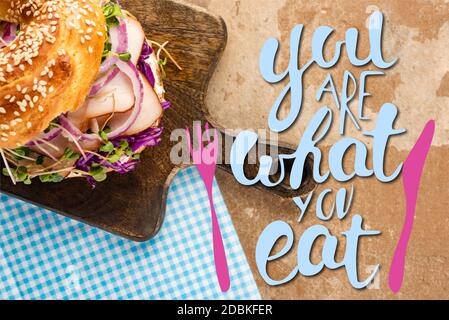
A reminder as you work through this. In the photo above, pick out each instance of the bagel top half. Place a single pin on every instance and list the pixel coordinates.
(49, 68)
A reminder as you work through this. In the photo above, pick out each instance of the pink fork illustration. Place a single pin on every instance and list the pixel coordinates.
(205, 159)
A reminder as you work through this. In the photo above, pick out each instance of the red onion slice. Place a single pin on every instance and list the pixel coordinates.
(119, 37)
(9, 32)
(133, 74)
(49, 136)
(70, 127)
(106, 65)
(104, 81)
(119, 41)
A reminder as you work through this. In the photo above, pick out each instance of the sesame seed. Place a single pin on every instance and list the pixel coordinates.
(40, 21)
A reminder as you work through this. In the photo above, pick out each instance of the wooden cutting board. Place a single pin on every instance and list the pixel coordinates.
(133, 205)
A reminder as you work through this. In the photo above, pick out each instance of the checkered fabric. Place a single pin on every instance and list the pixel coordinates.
(47, 256)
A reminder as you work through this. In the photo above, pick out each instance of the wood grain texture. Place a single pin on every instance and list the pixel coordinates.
(133, 205)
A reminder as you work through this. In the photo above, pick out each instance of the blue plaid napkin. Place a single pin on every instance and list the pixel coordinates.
(47, 256)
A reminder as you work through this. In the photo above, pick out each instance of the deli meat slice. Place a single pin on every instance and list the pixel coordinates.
(136, 37)
(150, 113)
(116, 96)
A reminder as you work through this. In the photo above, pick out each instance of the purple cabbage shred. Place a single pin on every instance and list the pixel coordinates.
(166, 105)
(148, 138)
(143, 66)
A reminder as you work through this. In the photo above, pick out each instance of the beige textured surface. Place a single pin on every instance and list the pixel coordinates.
(417, 32)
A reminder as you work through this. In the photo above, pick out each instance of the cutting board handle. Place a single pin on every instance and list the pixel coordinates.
(272, 149)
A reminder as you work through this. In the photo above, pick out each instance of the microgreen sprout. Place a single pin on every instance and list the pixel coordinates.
(51, 177)
(69, 154)
(20, 174)
(162, 63)
(98, 172)
(40, 160)
(112, 12)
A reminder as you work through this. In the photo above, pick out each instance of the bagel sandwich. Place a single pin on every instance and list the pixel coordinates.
(81, 91)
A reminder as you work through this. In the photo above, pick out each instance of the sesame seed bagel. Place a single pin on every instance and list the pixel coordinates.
(51, 65)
